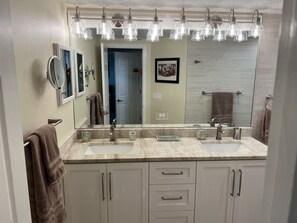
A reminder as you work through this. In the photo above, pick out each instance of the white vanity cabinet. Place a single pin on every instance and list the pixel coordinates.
(229, 191)
(172, 192)
(106, 193)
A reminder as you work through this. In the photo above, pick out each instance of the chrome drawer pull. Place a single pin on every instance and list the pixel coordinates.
(172, 198)
(180, 173)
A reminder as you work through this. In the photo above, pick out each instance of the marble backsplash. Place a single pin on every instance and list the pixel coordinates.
(153, 132)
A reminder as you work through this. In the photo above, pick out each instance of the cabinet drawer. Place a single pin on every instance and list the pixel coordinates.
(172, 197)
(172, 172)
(172, 217)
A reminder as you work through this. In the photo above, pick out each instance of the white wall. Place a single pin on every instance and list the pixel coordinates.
(172, 95)
(91, 50)
(266, 69)
(36, 25)
(14, 199)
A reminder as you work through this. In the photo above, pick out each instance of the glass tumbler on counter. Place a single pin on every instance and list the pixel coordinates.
(132, 135)
(86, 136)
(201, 134)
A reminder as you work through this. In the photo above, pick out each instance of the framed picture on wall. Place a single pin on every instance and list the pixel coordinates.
(66, 93)
(167, 70)
(79, 72)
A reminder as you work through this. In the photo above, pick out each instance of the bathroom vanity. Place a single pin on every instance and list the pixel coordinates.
(158, 182)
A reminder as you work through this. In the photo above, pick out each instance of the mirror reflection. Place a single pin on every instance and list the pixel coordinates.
(205, 66)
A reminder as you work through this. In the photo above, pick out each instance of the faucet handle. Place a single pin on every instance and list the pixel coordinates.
(114, 122)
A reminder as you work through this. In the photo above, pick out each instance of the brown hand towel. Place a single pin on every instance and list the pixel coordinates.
(266, 126)
(222, 107)
(99, 109)
(44, 172)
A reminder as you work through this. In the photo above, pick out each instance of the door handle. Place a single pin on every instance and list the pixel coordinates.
(119, 100)
(240, 181)
(110, 196)
(103, 191)
(233, 183)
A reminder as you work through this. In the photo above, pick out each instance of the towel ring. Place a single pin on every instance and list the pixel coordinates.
(268, 99)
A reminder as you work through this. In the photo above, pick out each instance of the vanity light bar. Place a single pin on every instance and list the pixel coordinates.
(216, 21)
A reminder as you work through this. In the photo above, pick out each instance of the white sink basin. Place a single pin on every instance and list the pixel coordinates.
(224, 147)
(109, 148)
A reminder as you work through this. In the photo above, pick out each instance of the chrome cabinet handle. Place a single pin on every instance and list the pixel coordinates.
(233, 184)
(171, 198)
(240, 181)
(180, 173)
(103, 191)
(119, 100)
(110, 196)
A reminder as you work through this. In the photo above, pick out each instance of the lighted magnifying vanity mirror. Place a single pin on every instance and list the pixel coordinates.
(207, 65)
(66, 92)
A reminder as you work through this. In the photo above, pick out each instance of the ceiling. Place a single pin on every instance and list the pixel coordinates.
(264, 6)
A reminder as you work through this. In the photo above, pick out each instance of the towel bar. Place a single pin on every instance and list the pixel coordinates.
(209, 93)
(90, 98)
(52, 121)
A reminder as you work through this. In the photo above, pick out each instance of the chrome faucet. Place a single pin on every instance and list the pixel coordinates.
(212, 122)
(219, 132)
(112, 128)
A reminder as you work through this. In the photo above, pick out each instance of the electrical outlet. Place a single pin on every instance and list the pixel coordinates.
(161, 115)
(157, 96)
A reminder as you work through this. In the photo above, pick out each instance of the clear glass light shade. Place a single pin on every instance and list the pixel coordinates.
(108, 36)
(104, 28)
(241, 36)
(175, 35)
(152, 37)
(154, 32)
(197, 35)
(88, 34)
(182, 28)
(208, 29)
(256, 30)
(77, 28)
(232, 29)
(220, 35)
(130, 31)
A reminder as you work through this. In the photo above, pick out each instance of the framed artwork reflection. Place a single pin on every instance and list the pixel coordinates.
(167, 70)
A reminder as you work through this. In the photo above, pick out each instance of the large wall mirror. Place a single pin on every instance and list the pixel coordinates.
(205, 66)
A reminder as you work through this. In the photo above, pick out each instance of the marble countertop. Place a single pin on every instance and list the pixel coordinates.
(149, 149)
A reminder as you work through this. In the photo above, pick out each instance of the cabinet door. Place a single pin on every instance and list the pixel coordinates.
(85, 193)
(249, 195)
(127, 192)
(214, 185)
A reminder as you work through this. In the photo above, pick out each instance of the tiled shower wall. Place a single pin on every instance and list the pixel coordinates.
(224, 67)
(266, 69)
